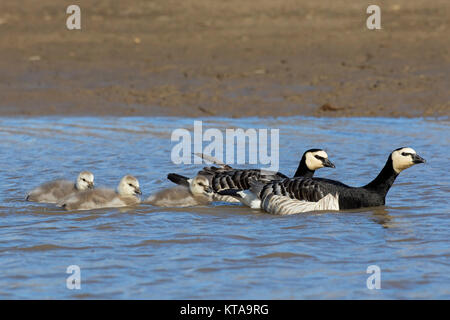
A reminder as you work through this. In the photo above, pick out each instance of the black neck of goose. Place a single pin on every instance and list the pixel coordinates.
(383, 182)
(303, 170)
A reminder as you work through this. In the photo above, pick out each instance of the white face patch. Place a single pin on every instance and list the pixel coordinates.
(85, 180)
(312, 162)
(128, 186)
(199, 185)
(402, 159)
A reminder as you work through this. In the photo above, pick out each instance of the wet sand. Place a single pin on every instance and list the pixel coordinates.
(234, 58)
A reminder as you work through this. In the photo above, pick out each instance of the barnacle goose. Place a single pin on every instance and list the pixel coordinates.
(53, 191)
(197, 192)
(225, 177)
(126, 195)
(312, 190)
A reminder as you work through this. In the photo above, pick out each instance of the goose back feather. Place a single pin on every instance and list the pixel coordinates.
(51, 192)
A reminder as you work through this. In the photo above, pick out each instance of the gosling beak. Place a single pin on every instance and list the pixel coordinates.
(328, 163)
(90, 185)
(137, 191)
(418, 159)
(208, 190)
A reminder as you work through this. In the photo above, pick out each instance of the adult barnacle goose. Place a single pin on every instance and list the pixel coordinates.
(225, 177)
(315, 189)
(197, 192)
(53, 191)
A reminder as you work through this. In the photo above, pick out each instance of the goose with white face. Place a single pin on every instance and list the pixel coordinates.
(403, 158)
(200, 186)
(85, 181)
(129, 186)
(317, 159)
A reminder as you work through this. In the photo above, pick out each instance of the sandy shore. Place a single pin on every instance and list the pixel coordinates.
(233, 58)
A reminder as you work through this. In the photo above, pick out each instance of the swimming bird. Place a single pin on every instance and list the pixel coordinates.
(53, 191)
(226, 177)
(198, 192)
(126, 195)
(315, 189)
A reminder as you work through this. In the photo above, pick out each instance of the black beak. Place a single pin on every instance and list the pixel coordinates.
(418, 159)
(137, 191)
(328, 163)
(208, 190)
(90, 185)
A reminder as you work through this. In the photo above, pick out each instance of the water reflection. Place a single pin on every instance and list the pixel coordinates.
(381, 216)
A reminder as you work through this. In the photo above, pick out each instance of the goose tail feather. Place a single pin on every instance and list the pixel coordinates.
(231, 192)
(178, 179)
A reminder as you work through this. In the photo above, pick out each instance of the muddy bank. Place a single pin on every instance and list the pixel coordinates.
(234, 58)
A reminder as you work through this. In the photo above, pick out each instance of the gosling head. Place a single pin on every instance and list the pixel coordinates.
(200, 185)
(129, 186)
(316, 159)
(85, 181)
(403, 158)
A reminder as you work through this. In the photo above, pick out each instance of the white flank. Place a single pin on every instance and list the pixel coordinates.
(284, 205)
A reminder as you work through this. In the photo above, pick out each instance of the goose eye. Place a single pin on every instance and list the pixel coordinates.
(405, 154)
(319, 157)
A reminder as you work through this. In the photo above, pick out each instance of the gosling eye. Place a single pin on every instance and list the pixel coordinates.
(84, 180)
(130, 184)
